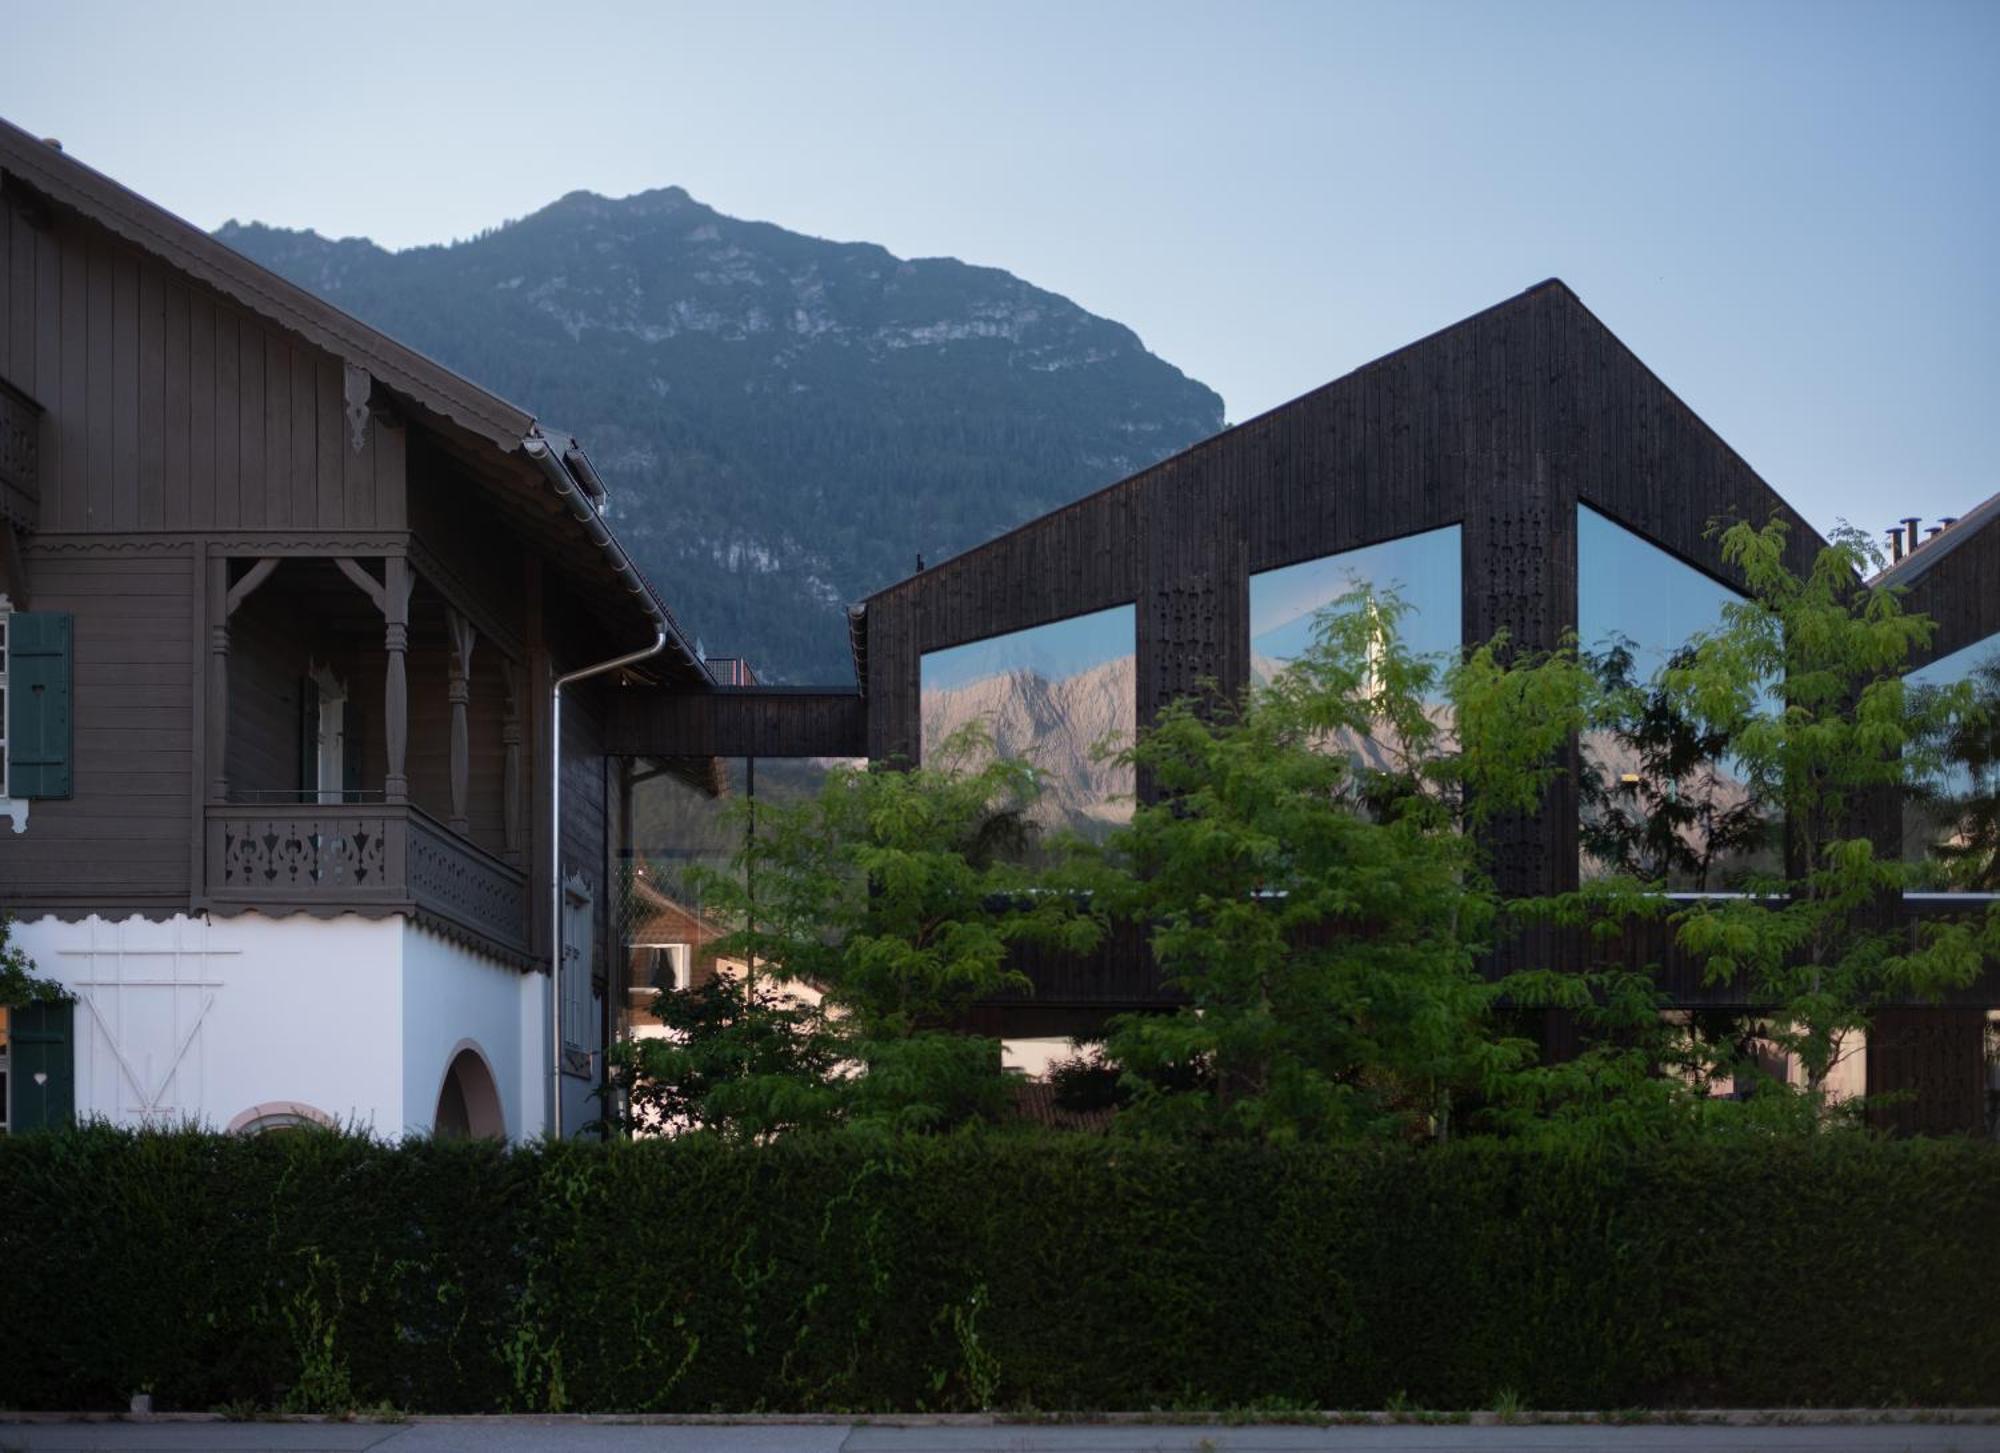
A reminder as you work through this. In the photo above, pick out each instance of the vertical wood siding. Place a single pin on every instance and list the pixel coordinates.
(122, 838)
(167, 407)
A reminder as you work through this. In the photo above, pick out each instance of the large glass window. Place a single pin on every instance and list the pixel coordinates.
(1955, 824)
(1056, 695)
(1423, 570)
(1630, 590)
(1660, 798)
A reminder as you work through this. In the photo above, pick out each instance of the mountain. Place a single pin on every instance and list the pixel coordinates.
(1058, 724)
(784, 422)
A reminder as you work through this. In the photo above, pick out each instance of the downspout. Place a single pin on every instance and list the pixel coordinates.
(566, 486)
(555, 860)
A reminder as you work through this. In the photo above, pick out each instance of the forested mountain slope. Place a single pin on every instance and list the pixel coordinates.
(784, 422)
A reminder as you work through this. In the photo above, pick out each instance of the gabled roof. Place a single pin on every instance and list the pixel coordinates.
(537, 458)
(1929, 552)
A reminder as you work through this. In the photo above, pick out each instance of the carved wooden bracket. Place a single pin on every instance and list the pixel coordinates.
(358, 386)
(255, 576)
(369, 586)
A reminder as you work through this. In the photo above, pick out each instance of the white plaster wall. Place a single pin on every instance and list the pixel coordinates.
(198, 1019)
(451, 996)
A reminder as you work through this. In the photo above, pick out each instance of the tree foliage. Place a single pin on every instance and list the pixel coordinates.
(1313, 865)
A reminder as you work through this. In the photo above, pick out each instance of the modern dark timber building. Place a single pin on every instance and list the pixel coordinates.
(1520, 471)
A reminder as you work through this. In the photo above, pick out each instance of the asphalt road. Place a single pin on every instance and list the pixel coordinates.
(579, 1436)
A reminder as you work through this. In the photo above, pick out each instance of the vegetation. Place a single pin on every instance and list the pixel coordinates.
(851, 1274)
(20, 985)
(1802, 687)
(1314, 871)
(895, 897)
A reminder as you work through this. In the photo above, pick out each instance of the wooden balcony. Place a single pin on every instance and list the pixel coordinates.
(372, 858)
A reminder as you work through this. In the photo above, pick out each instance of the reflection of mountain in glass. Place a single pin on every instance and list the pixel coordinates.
(1054, 723)
(1048, 695)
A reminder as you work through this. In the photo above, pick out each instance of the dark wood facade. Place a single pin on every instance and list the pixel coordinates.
(226, 484)
(1501, 425)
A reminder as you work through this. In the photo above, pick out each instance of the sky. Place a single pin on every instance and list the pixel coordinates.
(1790, 211)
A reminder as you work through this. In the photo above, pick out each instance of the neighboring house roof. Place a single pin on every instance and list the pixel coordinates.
(535, 457)
(1036, 1102)
(1929, 552)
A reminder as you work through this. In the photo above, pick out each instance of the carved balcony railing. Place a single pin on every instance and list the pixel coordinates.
(362, 857)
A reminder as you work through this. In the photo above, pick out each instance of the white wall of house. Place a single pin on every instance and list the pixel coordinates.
(454, 998)
(349, 1019)
(199, 1019)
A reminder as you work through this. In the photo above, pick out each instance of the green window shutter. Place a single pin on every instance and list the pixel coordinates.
(41, 1044)
(38, 704)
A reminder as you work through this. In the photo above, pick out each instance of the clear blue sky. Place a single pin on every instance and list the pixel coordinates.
(1790, 210)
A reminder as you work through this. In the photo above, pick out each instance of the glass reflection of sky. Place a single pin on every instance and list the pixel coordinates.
(1628, 587)
(1958, 666)
(1057, 650)
(1423, 569)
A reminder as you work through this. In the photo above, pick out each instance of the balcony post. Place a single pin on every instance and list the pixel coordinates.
(510, 783)
(217, 716)
(396, 584)
(459, 694)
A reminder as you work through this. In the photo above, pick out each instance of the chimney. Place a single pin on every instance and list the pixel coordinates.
(1910, 523)
(1895, 544)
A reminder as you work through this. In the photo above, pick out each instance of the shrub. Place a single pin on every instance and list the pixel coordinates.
(838, 1273)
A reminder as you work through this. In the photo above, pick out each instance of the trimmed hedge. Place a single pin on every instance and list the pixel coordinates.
(319, 1272)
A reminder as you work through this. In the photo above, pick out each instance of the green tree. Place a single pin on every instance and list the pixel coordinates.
(20, 985)
(1804, 683)
(895, 895)
(1313, 874)
(740, 1057)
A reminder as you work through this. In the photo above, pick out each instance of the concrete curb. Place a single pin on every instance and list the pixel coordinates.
(1669, 1417)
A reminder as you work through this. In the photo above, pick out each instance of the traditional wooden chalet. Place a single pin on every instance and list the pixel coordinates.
(288, 611)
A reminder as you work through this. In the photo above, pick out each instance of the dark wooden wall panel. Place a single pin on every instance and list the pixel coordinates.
(1960, 590)
(752, 721)
(168, 408)
(122, 837)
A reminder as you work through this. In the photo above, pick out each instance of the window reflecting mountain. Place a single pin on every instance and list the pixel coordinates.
(1056, 695)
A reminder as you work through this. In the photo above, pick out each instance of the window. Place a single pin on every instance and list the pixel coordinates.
(1423, 570)
(1052, 695)
(1955, 826)
(1658, 801)
(34, 708)
(658, 968)
(579, 923)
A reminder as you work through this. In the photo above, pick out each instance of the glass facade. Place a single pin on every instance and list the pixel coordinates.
(687, 820)
(1630, 590)
(1658, 801)
(1054, 695)
(1423, 570)
(1957, 829)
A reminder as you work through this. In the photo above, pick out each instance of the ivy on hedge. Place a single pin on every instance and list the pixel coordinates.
(316, 1271)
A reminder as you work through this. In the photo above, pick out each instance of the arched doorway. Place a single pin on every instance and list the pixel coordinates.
(468, 1105)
